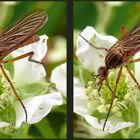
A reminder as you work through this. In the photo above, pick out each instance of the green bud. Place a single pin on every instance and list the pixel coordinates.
(90, 83)
(126, 88)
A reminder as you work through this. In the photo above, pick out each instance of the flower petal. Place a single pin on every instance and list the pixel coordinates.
(90, 57)
(24, 68)
(109, 127)
(58, 76)
(80, 99)
(37, 107)
(3, 124)
(137, 66)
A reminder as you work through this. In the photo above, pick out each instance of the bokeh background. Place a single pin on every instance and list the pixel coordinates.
(107, 18)
(54, 125)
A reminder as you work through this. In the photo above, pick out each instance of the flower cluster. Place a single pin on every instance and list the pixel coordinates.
(38, 96)
(94, 105)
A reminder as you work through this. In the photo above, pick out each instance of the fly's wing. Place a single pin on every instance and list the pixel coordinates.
(21, 30)
(130, 42)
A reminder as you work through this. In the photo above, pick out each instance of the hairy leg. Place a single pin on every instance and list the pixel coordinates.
(113, 96)
(29, 54)
(14, 90)
(132, 76)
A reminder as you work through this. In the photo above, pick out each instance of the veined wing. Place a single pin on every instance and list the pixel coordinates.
(21, 30)
(129, 42)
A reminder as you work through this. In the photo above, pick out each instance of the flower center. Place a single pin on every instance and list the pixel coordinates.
(100, 101)
(5, 94)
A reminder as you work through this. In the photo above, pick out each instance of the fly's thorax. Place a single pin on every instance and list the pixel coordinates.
(103, 73)
(114, 58)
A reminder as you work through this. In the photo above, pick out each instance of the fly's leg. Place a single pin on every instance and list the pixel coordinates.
(17, 58)
(113, 96)
(134, 61)
(123, 31)
(130, 73)
(132, 76)
(100, 87)
(109, 86)
(14, 90)
(29, 54)
(38, 62)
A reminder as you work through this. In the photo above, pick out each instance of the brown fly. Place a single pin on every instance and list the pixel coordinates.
(118, 56)
(17, 35)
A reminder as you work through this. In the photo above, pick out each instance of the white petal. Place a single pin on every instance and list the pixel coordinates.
(37, 107)
(109, 127)
(137, 66)
(90, 57)
(3, 124)
(80, 99)
(27, 72)
(58, 76)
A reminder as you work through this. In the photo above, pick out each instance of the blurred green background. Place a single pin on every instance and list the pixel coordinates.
(54, 125)
(107, 18)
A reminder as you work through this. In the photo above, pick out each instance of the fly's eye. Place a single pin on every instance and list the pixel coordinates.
(103, 72)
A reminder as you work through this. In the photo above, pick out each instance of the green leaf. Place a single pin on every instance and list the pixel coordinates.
(131, 115)
(117, 134)
(86, 75)
(83, 74)
(135, 134)
(9, 66)
(34, 89)
(99, 115)
(76, 68)
(62, 133)
(2, 135)
(21, 132)
(45, 128)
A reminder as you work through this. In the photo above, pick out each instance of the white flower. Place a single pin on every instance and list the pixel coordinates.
(80, 99)
(92, 59)
(37, 107)
(109, 127)
(27, 72)
(86, 54)
(58, 77)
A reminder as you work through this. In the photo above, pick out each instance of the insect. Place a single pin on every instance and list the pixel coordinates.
(17, 35)
(118, 56)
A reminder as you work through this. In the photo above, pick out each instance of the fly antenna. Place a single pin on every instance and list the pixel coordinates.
(100, 48)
